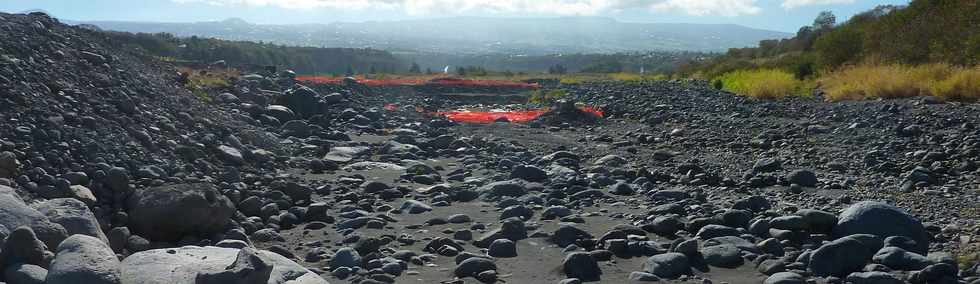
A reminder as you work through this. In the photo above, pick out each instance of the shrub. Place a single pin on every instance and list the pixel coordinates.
(900, 81)
(762, 83)
(546, 97)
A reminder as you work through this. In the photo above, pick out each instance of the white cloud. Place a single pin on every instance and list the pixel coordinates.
(790, 4)
(554, 7)
(728, 8)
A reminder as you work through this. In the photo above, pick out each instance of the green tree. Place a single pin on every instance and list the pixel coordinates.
(415, 69)
(839, 46)
(825, 21)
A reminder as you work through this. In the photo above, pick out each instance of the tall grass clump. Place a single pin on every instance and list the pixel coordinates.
(942, 81)
(546, 97)
(963, 85)
(761, 83)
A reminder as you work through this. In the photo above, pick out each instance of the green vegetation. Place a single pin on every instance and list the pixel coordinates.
(874, 54)
(761, 83)
(303, 60)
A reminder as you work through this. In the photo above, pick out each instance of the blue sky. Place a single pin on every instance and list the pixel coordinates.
(782, 15)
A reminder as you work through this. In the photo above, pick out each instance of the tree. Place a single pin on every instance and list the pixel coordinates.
(373, 70)
(825, 21)
(461, 71)
(428, 71)
(557, 69)
(415, 69)
(350, 70)
(839, 46)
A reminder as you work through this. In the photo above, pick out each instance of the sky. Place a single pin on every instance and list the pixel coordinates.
(780, 15)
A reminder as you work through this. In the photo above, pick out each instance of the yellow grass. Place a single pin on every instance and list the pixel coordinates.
(762, 83)
(900, 81)
(201, 82)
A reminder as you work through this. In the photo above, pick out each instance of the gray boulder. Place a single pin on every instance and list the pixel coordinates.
(566, 235)
(415, 207)
(167, 213)
(723, 255)
(785, 278)
(637, 277)
(668, 265)
(473, 266)
(496, 190)
(25, 274)
(9, 165)
(15, 213)
(248, 268)
(883, 220)
(187, 264)
(73, 215)
(22, 246)
(345, 257)
(581, 265)
(231, 155)
(873, 277)
(803, 177)
(900, 259)
(84, 259)
(842, 256)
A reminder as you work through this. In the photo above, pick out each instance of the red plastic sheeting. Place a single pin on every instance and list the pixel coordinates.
(511, 116)
(391, 107)
(490, 117)
(421, 82)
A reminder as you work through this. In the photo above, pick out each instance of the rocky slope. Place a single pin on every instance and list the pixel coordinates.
(112, 172)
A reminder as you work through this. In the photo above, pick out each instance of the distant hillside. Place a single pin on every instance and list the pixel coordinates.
(472, 35)
(305, 60)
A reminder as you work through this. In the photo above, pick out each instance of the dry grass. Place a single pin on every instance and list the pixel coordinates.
(201, 82)
(546, 97)
(211, 78)
(762, 84)
(899, 81)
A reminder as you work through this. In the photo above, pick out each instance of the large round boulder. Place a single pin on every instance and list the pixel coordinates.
(84, 259)
(167, 213)
(73, 215)
(843, 256)
(883, 220)
(668, 265)
(193, 264)
(15, 213)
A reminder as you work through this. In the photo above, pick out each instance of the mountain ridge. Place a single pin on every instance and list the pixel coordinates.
(474, 35)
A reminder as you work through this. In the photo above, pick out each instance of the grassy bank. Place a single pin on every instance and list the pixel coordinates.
(861, 82)
(900, 81)
(762, 84)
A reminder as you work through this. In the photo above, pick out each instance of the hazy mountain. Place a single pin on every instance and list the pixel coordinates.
(474, 35)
